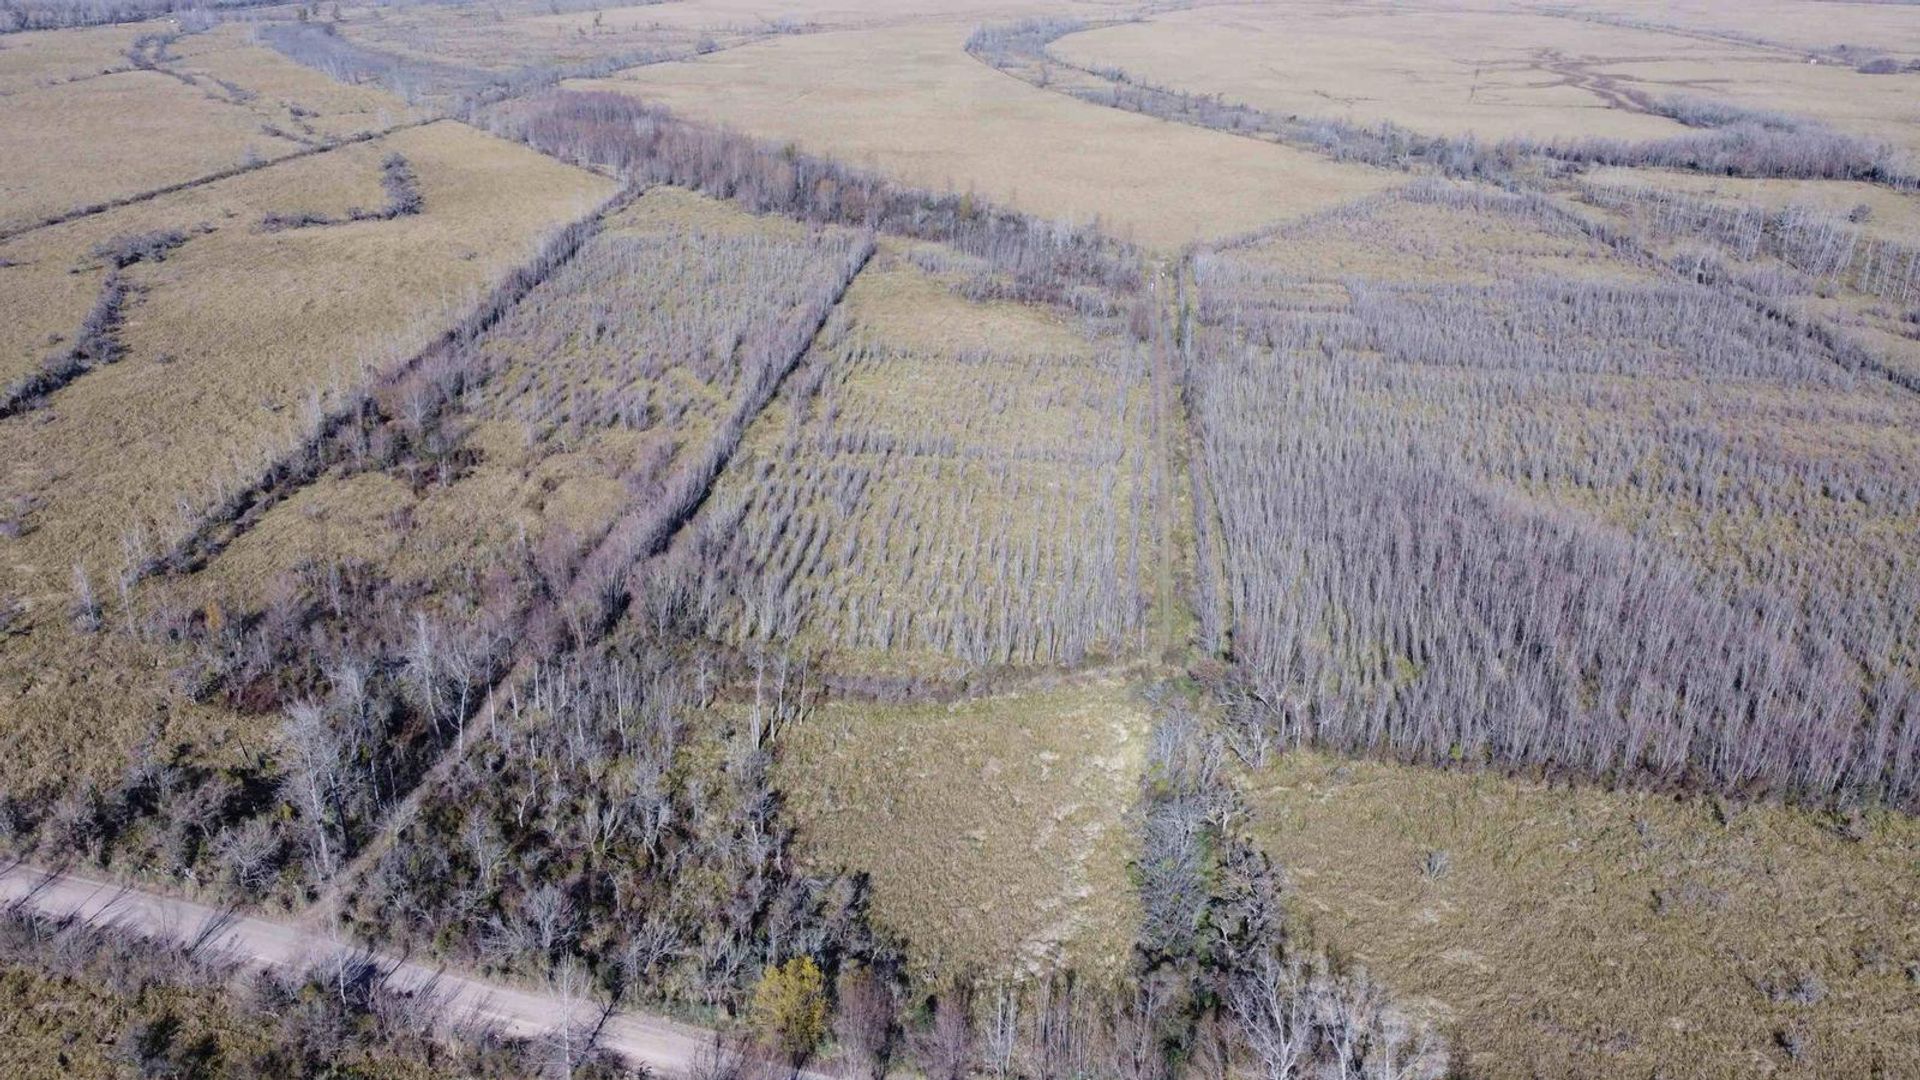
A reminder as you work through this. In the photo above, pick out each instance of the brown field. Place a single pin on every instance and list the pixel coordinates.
(1442, 69)
(911, 102)
(119, 135)
(1581, 932)
(50, 57)
(1816, 26)
(1435, 71)
(997, 830)
(80, 134)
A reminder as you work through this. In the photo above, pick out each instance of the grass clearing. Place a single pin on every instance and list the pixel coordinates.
(115, 136)
(996, 830)
(1500, 74)
(1582, 932)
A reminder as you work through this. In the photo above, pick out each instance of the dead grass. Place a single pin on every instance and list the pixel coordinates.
(114, 136)
(47, 57)
(83, 126)
(1437, 72)
(910, 100)
(997, 831)
(1498, 74)
(1591, 933)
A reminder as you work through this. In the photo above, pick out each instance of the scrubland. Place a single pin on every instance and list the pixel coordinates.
(1040, 540)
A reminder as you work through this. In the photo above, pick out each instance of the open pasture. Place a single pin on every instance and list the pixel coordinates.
(87, 126)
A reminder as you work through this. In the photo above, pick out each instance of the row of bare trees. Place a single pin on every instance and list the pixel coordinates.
(97, 341)
(1020, 48)
(1831, 252)
(1038, 260)
(17, 15)
(397, 180)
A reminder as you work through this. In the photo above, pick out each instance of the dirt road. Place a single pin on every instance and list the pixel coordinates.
(662, 1046)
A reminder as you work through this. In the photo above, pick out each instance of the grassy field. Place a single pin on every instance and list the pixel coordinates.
(996, 831)
(89, 125)
(910, 101)
(1435, 71)
(1441, 69)
(1579, 932)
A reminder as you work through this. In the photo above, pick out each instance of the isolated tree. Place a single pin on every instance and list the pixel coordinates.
(790, 1008)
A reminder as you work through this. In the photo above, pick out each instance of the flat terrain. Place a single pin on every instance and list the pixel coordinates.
(996, 831)
(910, 101)
(1585, 932)
(850, 520)
(1440, 69)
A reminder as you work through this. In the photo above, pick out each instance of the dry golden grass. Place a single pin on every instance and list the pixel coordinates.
(221, 102)
(1591, 933)
(1496, 74)
(326, 109)
(238, 333)
(997, 831)
(53, 275)
(1439, 72)
(1815, 25)
(48, 57)
(910, 101)
(114, 136)
(231, 345)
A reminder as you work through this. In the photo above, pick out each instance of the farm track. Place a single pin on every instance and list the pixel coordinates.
(654, 1043)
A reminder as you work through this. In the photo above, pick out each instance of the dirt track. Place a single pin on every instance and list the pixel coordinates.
(662, 1046)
